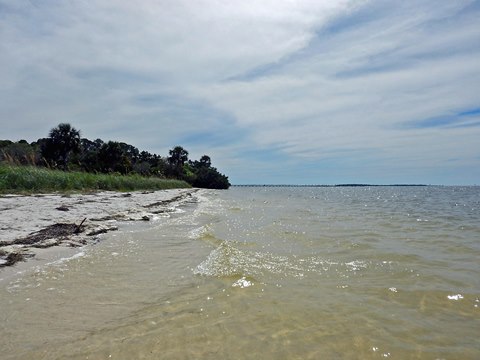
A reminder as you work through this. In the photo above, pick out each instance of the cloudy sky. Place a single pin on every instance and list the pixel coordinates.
(309, 92)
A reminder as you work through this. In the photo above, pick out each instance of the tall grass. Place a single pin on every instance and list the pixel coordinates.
(29, 179)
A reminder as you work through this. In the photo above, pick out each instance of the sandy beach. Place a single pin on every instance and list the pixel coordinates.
(31, 224)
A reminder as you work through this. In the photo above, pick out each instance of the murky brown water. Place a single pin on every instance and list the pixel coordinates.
(287, 273)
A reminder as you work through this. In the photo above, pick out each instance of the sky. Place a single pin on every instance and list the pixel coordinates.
(275, 92)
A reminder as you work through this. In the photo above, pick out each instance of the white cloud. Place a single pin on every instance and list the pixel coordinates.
(342, 98)
(312, 81)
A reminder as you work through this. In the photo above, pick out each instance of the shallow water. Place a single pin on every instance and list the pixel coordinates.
(273, 273)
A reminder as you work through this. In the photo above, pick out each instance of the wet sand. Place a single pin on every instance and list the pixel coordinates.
(35, 225)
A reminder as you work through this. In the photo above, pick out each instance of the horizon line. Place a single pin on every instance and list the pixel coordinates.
(338, 185)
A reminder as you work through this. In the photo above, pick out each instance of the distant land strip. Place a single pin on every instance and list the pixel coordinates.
(337, 185)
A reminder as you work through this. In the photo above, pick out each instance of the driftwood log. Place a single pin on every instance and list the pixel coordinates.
(58, 231)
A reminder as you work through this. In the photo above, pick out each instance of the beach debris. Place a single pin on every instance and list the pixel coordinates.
(34, 227)
(4, 242)
(10, 258)
(76, 243)
(47, 243)
(101, 229)
(59, 231)
(168, 201)
(117, 216)
(79, 227)
(57, 234)
(162, 211)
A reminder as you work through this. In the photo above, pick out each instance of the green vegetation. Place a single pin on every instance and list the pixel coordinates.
(88, 164)
(61, 143)
(15, 179)
(204, 175)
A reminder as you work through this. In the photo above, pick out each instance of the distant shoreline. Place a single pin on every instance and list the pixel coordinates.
(337, 185)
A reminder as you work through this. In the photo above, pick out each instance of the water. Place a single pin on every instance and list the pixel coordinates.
(265, 273)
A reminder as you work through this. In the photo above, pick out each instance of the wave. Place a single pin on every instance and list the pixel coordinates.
(228, 261)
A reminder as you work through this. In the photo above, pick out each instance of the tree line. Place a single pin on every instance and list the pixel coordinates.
(66, 150)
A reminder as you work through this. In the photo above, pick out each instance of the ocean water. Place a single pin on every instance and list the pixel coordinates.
(264, 273)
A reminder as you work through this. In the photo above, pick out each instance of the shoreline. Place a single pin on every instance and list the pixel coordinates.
(34, 225)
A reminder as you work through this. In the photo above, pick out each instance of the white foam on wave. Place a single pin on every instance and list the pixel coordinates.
(455, 297)
(207, 204)
(198, 232)
(242, 283)
(228, 260)
(356, 265)
(67, 259)
(176, 210)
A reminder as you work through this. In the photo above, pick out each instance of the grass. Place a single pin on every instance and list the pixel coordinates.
(29, 179)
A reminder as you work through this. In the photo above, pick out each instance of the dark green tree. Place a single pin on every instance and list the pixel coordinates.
(64, 148)
(4, 143)
(205, 162)
(88, 158)
(205, 175)
(178, 157)
(210, 178)
(19, 153)
(63, 140)
(131, 152)
(148, 164)
(112, 158)
(158, 165)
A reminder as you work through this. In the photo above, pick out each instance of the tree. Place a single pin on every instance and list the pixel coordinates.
(88, 158)
(4, 143)
(205, 162)
(64, 147)
(112, 157)
(19, 153)
(210, 178)
(178, 157)
(205, 175)
(130, 151)
(62, 141)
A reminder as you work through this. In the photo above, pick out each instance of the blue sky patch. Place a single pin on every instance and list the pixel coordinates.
(460, 119)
